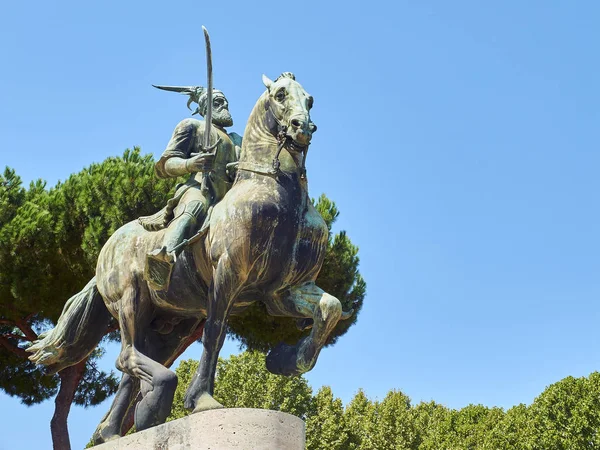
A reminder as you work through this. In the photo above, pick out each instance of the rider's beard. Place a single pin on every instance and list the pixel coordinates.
(222, 117)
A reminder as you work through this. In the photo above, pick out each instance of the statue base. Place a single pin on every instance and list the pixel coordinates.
(219, 429)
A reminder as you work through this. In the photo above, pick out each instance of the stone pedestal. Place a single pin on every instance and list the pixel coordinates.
(219, 429)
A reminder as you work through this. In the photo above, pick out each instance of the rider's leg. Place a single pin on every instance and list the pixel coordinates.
(159, 263)
(184, 226)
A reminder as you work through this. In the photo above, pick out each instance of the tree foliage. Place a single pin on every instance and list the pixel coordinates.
(243, 381)
(325, 426)
(360, 423)
(50, 241)
(565, 416)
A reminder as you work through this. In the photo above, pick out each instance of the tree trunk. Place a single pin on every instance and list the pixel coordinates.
(69, 380)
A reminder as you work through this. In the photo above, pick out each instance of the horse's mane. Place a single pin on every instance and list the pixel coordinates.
(286, 75)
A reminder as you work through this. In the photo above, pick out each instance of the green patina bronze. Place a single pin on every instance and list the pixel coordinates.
(241, 230)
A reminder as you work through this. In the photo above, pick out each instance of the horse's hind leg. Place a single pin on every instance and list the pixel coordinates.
(305, 301)
(162, 348)
(158, 383)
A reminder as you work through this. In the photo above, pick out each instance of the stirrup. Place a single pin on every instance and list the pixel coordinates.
(159, 266)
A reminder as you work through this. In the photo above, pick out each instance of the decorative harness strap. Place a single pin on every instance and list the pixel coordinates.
(256, 168)
(282, 137)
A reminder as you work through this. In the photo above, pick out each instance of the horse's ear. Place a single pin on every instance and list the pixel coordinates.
(267, 82)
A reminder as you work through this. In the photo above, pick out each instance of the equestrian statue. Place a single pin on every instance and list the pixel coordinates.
(238, 232)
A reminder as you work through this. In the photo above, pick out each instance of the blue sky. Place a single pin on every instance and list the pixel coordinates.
(458, 139)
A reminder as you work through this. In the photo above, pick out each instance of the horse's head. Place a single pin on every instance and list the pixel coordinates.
(289, 105)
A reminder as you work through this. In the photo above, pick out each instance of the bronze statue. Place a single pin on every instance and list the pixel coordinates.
(264, 242)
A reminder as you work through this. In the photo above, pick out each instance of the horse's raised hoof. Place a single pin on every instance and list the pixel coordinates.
(282, 360)
(205, 403)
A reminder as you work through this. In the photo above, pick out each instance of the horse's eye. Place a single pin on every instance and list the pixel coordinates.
(280, 96)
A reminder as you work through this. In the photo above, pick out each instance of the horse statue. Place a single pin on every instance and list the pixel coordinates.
(265, 243)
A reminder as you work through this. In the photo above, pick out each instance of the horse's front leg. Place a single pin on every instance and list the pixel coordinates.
(112, 423)
(305, 301)
(226, 284)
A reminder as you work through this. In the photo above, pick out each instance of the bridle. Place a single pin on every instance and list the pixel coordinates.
(282, 138)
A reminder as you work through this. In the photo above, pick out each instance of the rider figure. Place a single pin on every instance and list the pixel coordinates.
(186, 212)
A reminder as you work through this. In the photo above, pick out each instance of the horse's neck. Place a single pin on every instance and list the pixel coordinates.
(260, 146)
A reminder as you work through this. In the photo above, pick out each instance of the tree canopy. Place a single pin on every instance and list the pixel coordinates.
(50, 241)
(565, 416)
(242, 381)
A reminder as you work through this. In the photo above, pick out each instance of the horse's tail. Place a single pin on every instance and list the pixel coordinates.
(83, 322)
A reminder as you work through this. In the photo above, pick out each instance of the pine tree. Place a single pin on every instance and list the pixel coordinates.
(50, 242)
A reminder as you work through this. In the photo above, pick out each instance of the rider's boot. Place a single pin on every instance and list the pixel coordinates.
(160, 262)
